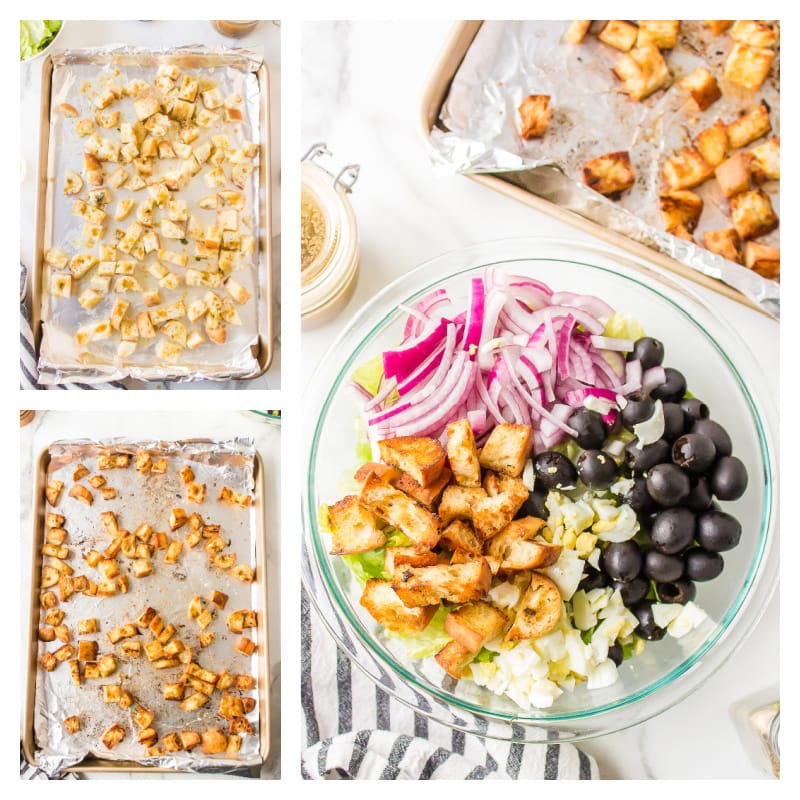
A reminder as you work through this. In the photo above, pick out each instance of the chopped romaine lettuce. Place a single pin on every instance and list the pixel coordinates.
(371, 564)
(622, 326)
(363, 447)
(427, 643)
(35, 35)
(369, 375)
(485, 655)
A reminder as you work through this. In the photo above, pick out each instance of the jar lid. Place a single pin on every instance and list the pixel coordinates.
(329, 245)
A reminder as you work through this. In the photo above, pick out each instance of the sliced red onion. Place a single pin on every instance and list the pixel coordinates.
(386, 389)
(633, 377)
(421, 312)
(577, 397)
(610, 343)
(472, 338)
(653, 377)
(402, 361)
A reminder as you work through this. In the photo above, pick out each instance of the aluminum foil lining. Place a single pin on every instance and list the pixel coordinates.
(77, 77)
(478, 132)
(169, 589)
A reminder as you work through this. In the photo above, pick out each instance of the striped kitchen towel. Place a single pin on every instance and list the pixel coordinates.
(28, 772)
(355, 730)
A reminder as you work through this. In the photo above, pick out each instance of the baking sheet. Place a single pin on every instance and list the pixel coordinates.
(77, 76)
(477, 131)
(169, 589)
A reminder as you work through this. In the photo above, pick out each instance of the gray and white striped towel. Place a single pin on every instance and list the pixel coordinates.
(28, 772)
(355, 730)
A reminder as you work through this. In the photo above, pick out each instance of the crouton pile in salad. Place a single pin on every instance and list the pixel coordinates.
(541, 495)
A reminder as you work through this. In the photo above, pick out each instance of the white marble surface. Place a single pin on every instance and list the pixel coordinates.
(158, 34)
(362, 84)
(49, 426)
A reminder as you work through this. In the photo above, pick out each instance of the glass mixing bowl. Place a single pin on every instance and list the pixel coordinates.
(719, 368)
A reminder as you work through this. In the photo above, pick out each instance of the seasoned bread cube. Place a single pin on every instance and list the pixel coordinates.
(703, 87)
(245, 646)
(765, 161)
(642, 71)
(385, 473)
(663, 33)
(522, 554)
(113, 736)
(492, 514)
(680, 208)
(619, 33)
(400, 511)
(755, 32)
(733, 174)
(535, 114)
(539, 612)
(53, 492)
(385, 606)
(355, 527)
(474, 624)
(427, 496)
(725, 243)
(462, 453)
(214, 741)
(764, 260)
(718, 26)
(456, 502)
(81, 493)
(72, 724)
(421, 457)
(454, 583)
(686, 169)
(712, 143)
(460, 535)
(507, 449)
(610, 173)
(752, 214)
(577, 30)
(409, 556)
(453, 659)
(748, 66)
(749, 126)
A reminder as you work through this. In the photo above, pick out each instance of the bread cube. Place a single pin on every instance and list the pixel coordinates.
(113, 736)
(539, 612)
(535, 114)
(462, 453)
(755, 32)
(718, 26)
(421, 457)
(507, 449)
(703, 87)
(609, 174)
(752, 214)
(577, 30)
(474, 624)
(355, 527)
(765, 161)
(748, 66)
(642, 71)
(663, 33)
(460, 535)
(427, 496)
(454, 583)
(410, 556)
(453, 659)
(763, 259)
(733, 174)
(749, 126)
(492, 514)
(385, 606)
(725, 243)
(686, 169)
(457, 502)
(619, 33)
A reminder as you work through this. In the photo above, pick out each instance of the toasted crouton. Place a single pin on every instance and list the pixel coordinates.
(752, 214)
(455, 583)
(355, 527)
(453, 658)
(619, 33)
(764, 260)
(725, 243)
(492, 514)
(474, 624)
(610, 173)
(712, 143)
(539, 612)
(686, 169)
(456, 502)
(514, 547)
(733, 174)
(386, 607)
(577, 30)
(421, 457)
(749, 126)
(765, 161)
(400, 511)
(755, 32)
(113, 736)
(507, 449)
(408, 556)
(427, 496)
(462, 453)
(383, 471)
(535, 114)
(748, 66)
(718, 26)
(642, 71)
(663, 33)
(460, 535)
(680, 209)
(703, 87)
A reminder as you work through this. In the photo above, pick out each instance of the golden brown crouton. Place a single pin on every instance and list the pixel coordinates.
(460, 535)
(712, 143)
(492, 514)
(539, 611)
(383, 471)
(619, 33)
(577, 30)
(53, 492)
(514, 547)
(749, 126)
(686, 169)
(725, 243)
(409, 556)
(400, 511)
(214, 741)
(610, 173)
(535, 114)
(748, 66)
(455, 583)
(764, 260)
(421, 457)
(755, 32)
(663, 33)
(190, 739)
(462, 453)
(474, 624)
(733, 174)
(642, 71)
(703, 87)
(765, 161)
(752, 214)
(72, 724)
(113, 736)
(386, 607)
(355, 527)
(453, 658)
(718, 26)
(680, 208)
(427, 496)
(457, 502)
(507, 449)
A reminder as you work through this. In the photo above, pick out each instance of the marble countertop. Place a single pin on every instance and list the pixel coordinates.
(265, 38)
(362, 85)
(48, 426)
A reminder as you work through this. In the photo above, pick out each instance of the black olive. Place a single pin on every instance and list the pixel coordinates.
(555, 470)
(647, 628)
(621, 561)
(702, 565)
(699, 498)
(535, 506)
(679, 591)
(632, 591)
(637, 497)
(637, 410)
(668, 484)
(718, 531)
(673, 530)
(694, 452)
(590, 428)
(674, 423)
(615, 653)
(728, 478)
(648, 350)
(693, 409)
(716, 433)
(592, 579)
(597, 469)
(662, 567)
(673, 389)
(641, 459)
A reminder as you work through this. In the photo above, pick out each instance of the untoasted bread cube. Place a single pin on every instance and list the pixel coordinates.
(686, 169)
(400, 511)
(703, 87)
(577, 30)
(421, 457)
(609, 174)
(474, 624)
(619, 33)
(453, 659)
(507, 449)
(755, 32)
(748, 66)
(455, 583)
(113, 736)
(680, 209)
(752, 214)
(712, 143)
(642, 71)
(764, 260)
(765, 162)
(663, 33)
(427, 496)
(733, 174)
(539, 612)
(457, 502)
(53, 492)
(535, 114)
(749, 126)
(462, 453)
(214, 741)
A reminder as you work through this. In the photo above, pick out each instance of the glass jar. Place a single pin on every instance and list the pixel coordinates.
(234, 28)
(758, 721)
(329, 245)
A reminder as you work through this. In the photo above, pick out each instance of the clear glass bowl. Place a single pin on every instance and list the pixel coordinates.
(719, 368)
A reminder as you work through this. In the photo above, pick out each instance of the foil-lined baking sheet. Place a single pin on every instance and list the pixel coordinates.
(78, 77)
(478, 131)
(149, 498)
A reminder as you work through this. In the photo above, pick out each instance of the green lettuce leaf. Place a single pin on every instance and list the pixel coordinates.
(371, 564)
(622, 326)
(369, 375)
(428, 642)
(485, 655)
(35, 35)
